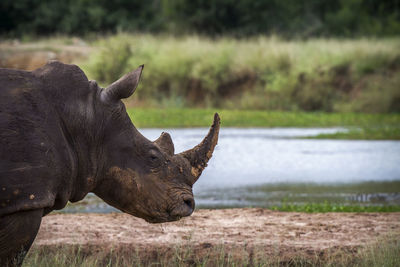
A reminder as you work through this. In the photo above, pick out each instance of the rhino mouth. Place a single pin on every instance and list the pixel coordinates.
(168, 218)
(185, 208)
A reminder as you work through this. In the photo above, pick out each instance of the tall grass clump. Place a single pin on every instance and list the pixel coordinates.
(255, 73)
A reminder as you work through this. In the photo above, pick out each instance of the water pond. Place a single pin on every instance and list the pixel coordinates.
(260, 167)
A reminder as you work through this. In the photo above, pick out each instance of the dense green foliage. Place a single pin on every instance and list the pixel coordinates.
(290, 18)
(43, 17)
(360, 75)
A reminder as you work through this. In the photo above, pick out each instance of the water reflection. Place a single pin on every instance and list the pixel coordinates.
(247, 157)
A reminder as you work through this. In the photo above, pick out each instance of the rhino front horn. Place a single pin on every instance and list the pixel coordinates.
(124, 87)
(200, 154)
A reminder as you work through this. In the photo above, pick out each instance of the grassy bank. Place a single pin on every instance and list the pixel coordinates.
(333, 207)
(258, 73)
(385, 252)
(312, 197)
(362, 126)
(384, 132)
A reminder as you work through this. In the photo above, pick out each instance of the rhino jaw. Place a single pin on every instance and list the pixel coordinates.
(201, 154)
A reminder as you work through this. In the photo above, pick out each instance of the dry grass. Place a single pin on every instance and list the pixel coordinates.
(383, 252)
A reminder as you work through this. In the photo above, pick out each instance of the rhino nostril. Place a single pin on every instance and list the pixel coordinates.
(189, 202)
(183, 209)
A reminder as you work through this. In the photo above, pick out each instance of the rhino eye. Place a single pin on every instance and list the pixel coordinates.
(154, 155)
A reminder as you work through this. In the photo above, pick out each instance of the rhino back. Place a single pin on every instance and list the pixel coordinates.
(35, 163)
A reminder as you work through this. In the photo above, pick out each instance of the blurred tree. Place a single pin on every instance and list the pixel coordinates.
(291, 18)
(44, 17)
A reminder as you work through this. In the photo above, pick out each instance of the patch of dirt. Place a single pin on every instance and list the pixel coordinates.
(244, 228)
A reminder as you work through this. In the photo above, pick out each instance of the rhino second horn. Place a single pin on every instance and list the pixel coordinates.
(124, 87)
(201, 154)
(165, 143)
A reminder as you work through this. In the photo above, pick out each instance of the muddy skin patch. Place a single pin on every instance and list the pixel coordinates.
(195, 172)
(126, 177)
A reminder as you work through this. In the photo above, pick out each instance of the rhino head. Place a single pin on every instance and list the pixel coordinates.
(141, 177)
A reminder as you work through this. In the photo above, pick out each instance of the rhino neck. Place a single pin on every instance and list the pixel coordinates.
(73, 97)
(82, 128)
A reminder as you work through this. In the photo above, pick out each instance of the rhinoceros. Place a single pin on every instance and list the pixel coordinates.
(63, 136)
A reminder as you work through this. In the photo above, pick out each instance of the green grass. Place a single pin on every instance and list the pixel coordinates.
(386, 132)
(370, 187)
(361, 125)
(384, 252)
(332, 207)
(191, 117)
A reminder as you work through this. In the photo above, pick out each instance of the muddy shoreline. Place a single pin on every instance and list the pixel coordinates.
(241, 229)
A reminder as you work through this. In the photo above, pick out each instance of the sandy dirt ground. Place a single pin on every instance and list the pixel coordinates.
(231, 228)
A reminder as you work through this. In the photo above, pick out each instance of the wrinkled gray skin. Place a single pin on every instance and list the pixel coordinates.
(63, 136)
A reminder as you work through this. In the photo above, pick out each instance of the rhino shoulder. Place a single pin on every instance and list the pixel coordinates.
(35, 166)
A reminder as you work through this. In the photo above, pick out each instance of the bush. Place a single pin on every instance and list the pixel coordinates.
(260, 73)
(111, 61)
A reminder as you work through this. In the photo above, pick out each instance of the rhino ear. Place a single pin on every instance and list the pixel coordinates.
(124, 87)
